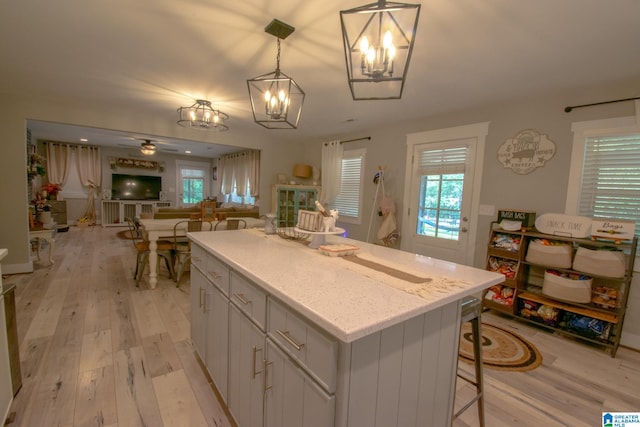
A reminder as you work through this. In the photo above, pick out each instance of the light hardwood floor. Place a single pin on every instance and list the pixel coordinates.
(97, 351)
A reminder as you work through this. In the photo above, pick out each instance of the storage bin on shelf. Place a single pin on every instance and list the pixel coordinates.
(550, 253)
(539, 312)
(601, 262)
(567, 286)
(586, 326)
(507, 242)
(507, 267)
(605, 297)
(500, 294)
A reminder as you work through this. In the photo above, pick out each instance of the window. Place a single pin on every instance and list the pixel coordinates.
(193, 182)
(192, 186)
(349, 199)
(441, 173)
(605, 170)
(246, 199)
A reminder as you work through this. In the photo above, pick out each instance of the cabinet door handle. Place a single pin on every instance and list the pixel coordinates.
(285, 334)
(206, 304)
(201, 299)
(265, 388)
(215, 275)
(242, 298)
(255, 359)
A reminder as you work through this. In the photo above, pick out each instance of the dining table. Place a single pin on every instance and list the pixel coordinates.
(163, 229)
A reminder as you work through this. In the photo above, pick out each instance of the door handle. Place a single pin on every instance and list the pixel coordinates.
(265, 388)
(255, 359)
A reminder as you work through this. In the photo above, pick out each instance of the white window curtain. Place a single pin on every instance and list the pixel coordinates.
(331, 171)
(240, 171)
(254, 172)
(90, 172)
(58, 163)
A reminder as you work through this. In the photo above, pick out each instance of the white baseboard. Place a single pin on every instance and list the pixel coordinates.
(27, 267)
(627, 340)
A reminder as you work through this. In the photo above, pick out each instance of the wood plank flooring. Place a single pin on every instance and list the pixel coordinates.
(97, 351)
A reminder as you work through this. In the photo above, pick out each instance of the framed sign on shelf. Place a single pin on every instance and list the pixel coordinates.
(137, 163)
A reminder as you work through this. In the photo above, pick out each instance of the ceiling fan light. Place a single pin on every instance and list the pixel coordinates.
(199, 116)
(147, 148)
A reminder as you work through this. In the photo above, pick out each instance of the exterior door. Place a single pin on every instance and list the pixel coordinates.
(444, 170)
(193, 182)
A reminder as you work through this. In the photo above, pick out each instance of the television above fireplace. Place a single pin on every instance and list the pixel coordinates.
(135, 187)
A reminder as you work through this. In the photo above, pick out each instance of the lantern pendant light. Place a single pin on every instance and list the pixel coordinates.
(378, 41)
(276, 99)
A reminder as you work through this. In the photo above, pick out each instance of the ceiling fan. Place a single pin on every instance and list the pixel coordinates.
(149, 147)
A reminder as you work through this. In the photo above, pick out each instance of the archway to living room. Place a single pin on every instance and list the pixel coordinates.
(120, 156)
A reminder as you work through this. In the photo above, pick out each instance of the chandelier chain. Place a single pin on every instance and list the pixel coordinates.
(278, 59)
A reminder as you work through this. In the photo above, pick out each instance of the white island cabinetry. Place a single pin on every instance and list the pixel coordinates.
(321, 341)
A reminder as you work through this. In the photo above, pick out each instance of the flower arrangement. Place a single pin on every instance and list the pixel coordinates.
(51, 189)
(41, 204)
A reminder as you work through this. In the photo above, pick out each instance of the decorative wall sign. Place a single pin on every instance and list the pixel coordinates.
(137, 163)
(564, 225)
(528, 150)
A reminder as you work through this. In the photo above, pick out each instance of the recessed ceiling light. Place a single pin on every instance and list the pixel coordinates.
(187, 151)
(84, 139)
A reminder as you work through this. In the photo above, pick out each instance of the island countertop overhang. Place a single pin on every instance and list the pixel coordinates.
(346, 300)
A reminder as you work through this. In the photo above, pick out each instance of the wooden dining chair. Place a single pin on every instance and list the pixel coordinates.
(208, 210)
(230, 224)
(165, 250)
(182, 245)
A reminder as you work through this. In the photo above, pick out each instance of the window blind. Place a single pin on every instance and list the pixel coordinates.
(442, 161)
(610, 185)
(348, 200)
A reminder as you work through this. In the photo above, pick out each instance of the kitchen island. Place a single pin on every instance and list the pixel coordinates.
(294, 337)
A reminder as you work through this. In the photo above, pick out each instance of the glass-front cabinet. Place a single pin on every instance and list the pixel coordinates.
(288, 199)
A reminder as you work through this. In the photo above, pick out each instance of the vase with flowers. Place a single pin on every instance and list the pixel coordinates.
(42, 209)
(50, 191)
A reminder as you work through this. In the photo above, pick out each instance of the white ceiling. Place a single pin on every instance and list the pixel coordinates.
(158, 55)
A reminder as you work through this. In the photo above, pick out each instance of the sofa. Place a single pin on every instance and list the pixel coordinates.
(225, 210)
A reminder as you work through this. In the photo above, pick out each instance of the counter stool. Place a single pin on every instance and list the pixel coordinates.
(471, 309)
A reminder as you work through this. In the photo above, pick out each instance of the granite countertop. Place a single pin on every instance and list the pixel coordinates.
(346, 299)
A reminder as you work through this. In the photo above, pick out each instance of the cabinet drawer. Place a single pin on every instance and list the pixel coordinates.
(215, 270)
(218, 273)
(250, 299)
(310, 347)
(198, 257)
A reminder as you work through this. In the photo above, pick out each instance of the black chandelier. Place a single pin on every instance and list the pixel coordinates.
(378, 41)
(276, 99)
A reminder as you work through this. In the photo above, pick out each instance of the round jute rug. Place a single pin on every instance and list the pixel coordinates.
(501, 349)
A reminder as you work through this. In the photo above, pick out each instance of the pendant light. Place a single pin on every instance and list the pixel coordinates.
(378, 41)
(276, 99)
